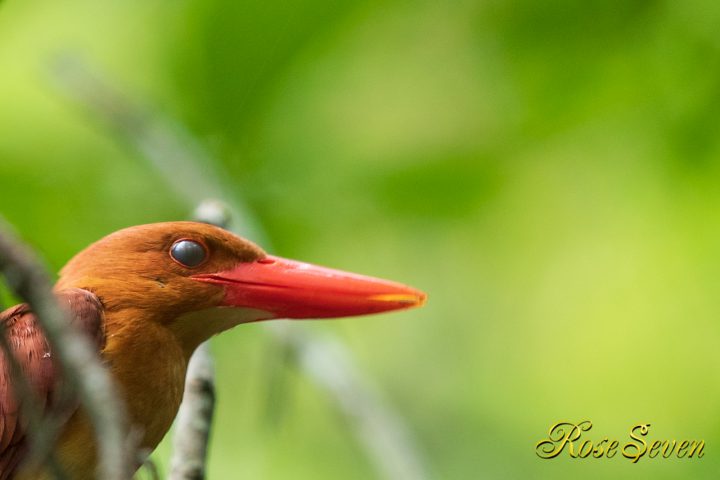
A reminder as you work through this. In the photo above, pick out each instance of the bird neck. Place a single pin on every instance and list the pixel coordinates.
(149, 365)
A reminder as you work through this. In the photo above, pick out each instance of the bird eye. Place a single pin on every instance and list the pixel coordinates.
(188, 253)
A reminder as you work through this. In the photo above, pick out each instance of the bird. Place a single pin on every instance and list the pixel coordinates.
(146, 297)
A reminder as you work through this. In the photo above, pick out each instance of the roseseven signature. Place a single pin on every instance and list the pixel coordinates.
(567, 436)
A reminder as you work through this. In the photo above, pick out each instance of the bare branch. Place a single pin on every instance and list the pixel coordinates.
(151, 468)
(192, 172)
(194, 420)
(381, 432)
(83, 370)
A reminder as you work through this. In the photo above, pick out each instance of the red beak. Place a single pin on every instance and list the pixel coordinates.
(290, 289)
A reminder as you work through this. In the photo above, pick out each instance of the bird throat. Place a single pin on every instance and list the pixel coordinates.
(149, 365)
(193, 328)
(140, 353)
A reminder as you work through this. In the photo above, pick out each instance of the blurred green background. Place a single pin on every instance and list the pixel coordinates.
(547, 171)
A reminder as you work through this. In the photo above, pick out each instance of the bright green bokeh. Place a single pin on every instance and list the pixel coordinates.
(547, 171)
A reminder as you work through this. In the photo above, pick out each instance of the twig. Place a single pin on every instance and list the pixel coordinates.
(192, 172)
(194, 420)
(82, 368)
(151, 468)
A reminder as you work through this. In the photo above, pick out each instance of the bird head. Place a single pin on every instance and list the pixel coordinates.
(199, 280)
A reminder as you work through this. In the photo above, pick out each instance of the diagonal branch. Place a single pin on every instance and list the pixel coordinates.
(194, 420)
(84, 372)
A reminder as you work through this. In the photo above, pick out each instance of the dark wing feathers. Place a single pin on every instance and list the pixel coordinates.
(35, 358)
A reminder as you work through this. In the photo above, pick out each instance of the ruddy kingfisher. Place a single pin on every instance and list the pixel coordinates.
(147, 296)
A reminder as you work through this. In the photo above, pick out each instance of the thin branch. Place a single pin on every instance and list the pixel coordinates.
(381, 431)
(194, 420)
(82, 368)
(152, 469)
(192, 172)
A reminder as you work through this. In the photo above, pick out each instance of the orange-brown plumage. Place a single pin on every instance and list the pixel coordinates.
(149, 295)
